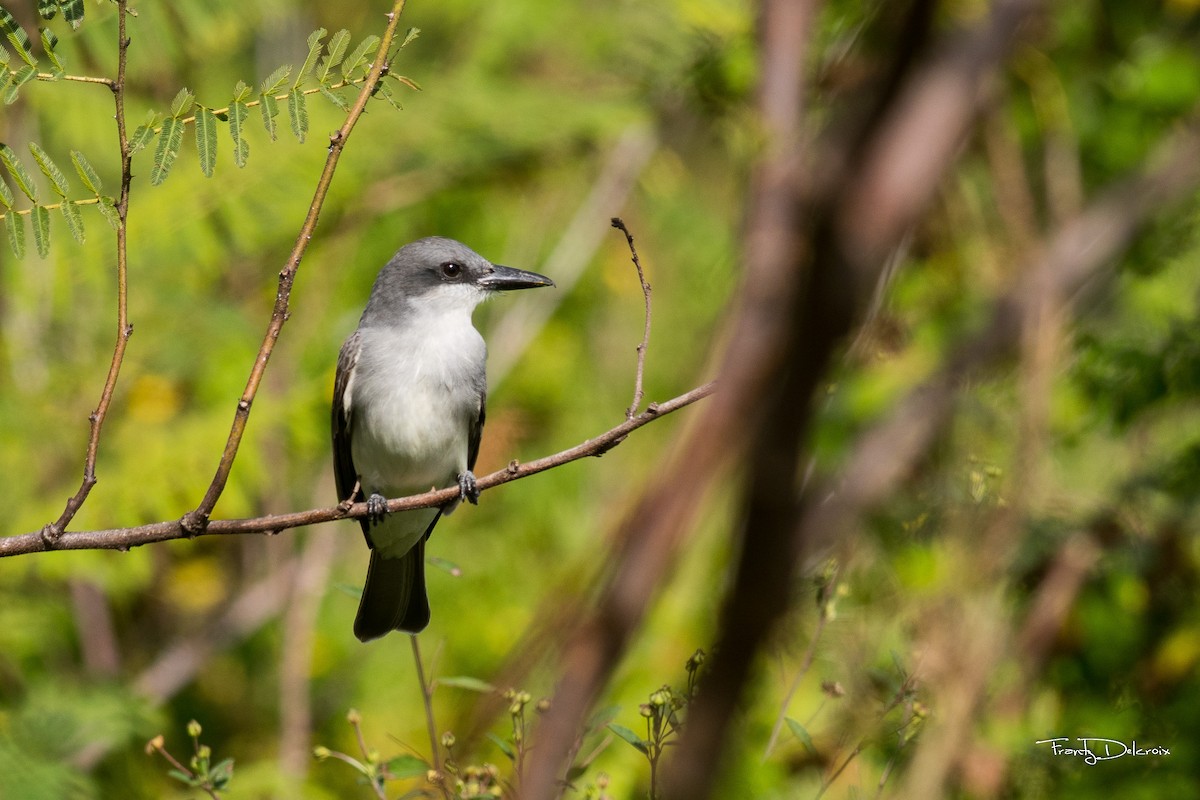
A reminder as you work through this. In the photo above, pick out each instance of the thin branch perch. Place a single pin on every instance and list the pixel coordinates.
(125, 538)
(619, 224)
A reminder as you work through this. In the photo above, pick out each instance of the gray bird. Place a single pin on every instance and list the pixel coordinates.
(408, 410)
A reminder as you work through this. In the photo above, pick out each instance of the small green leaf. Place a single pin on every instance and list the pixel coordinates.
(182, 103)
(21, 77)
(237, 119)
(384, 89)
(144, 133)
(406, 765)
(298, 114)
(72, 12)
(170, 140)
(40, 218)
(221, 773)
(6, 195)
(276, 80)
(358, 56)
(269, 107)
(3, 56)
(58, 181)
(206, 139)
(412, 34)
(314, 48)
(47, 8)
(335, 98)
(801, 733)
(108, 209)
(49, 45)
(629, 736)
(504, 746)
(334, 54)
(241, 92)
(16, 233)
(17, 170)
(87, 173)
(468, 683)
(16, 34)
(74, 220)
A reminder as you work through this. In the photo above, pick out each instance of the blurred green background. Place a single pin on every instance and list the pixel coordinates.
(536, 124)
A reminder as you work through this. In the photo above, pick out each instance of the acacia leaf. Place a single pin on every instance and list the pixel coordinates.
(87, 173)
(314, 48)
(108, 209)
(237, 120)
(72, 12)
(269, 107)
(334, 54)
(15, 228)
(206, 139)
(358, 56)
(16, 35)
(170, 140)
(298, 114)
(74, 219)
(58, 181)
(40, 219)
(17, 170)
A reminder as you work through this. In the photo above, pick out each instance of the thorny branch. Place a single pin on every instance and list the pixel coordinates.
(125, 538)
(195, 521)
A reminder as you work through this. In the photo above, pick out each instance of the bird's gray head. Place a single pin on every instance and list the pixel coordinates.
(442, 275)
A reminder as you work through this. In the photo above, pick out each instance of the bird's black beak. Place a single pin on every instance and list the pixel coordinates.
(503, 279)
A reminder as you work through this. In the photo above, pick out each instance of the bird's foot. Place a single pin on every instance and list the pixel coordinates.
(376, 507)
(467, 488)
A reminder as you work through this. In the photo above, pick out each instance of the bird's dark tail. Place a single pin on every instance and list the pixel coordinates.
(394, 596)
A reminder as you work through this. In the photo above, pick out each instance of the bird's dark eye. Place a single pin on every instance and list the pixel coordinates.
(451, 269)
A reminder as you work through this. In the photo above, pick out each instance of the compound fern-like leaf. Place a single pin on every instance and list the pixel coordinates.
(16, 233)
(314, 49)
(21, 77)
(86, 172)
(298, 114)
(170, 140)
(16, 35)
(269, 107)
(58, 181)
(74, 219)
(40, 217)
(72, 12)
(238, 112)
(108, 209)
(206, 139)
(358, 58)
(17, 170)
(50, 47)
(334, 54)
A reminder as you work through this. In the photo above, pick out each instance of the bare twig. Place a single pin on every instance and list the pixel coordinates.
(125, 538)
(619, 224)
(195, 521)
(51, 532)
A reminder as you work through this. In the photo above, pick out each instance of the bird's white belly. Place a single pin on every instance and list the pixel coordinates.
(414, 400)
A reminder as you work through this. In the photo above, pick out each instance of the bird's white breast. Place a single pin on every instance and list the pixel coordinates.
(414, 396)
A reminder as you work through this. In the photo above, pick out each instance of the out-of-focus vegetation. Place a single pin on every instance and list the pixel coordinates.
(527, 110)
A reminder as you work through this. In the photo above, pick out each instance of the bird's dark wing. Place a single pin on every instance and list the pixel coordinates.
(344, 474)
(476, 432)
